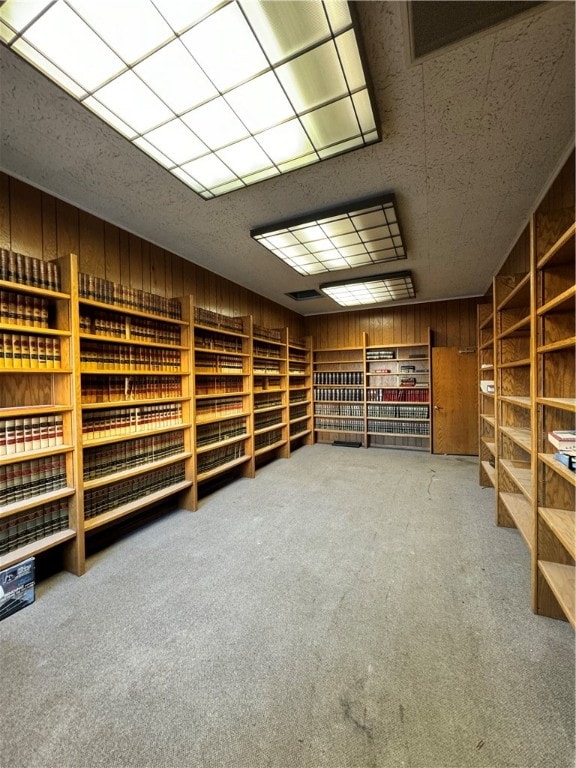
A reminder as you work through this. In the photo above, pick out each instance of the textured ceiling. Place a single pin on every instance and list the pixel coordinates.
(471, 135)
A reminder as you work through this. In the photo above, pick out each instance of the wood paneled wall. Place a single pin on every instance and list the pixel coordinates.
(37, 224)
(453, 324)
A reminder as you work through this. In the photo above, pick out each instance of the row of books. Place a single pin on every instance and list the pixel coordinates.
(274, 334)
(268, 438)
(94, 356)
(380, 354)
(215, 408)
(97, 501)
(24, 479)
(217, 342)
(30, 433)
(218, 363)
(124, 421)
(217, 320)
(339, 425)
(266, 351)
(114, 457)
(294, 369)
(214, 385)
(219, 457)
(32, 525)
(338, 409)
(339, 377)
(23, 350)
(221, 430)
(263, 420)
(297, 354)
(98, 289)
(266, 369)
(298, 412)
(353, 394)
(298, 396)
(26, 270)
(396, 380)
(399, 411)
(400, 395)
(264, 400)
(134, 329)
(297, 428)
(23, 309)
(265, 382)
(399, 427)
(107, 389)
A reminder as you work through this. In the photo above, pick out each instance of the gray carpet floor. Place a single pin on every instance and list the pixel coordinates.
(347, 608)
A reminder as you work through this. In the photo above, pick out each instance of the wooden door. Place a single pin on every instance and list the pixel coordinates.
(454, 401)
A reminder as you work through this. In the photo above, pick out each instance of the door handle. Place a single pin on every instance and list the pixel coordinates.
(437, 407)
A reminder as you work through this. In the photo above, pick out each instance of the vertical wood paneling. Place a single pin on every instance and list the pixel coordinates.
(124, 253)
(146, 266)
(157, 258)
(135, 256)
(91, 253)
(112, 253)
(25, 219)
(49, 228)
(4, 211)
(67, 232)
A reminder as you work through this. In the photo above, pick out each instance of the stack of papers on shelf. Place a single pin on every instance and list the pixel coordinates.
(568, 458)
(563, 439)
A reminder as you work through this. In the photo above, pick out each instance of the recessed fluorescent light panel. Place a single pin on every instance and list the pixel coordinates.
(352, 235)
(221, 94)
(371, 290)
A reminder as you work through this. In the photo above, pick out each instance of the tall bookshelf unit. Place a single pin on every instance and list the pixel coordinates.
(222, 365)
(136, 397)
(300, 418)
(486, 398)
(339, 395)
(398, 396)
(554, 592)
(39, 503)
(513, 327)
(270, 392)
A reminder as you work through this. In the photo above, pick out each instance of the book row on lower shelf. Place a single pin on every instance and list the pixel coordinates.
(33, 525)
(114, 422)
(31, 433)
(121, 357)
(23, 309)
(106, 459)
(107, 389)
(23, 480)
(25, 350)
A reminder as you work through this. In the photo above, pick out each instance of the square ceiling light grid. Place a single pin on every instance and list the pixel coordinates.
(222, 94)
(352, 235)
(371, 290)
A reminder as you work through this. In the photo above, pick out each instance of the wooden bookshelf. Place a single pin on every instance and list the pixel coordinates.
(223, 423)
(487, 445)
(135, 390)
(300, 419)
(553, 566)
(38, 469)
(269, 349)
(398, 402)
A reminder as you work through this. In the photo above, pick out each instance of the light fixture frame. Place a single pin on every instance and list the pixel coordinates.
(349, 209)
(406, 273)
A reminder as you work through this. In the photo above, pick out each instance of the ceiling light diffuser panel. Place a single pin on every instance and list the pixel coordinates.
(394, 286)
(349, 236)
(221, 94)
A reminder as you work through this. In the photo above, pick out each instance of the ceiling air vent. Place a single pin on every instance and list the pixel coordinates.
(303, 295)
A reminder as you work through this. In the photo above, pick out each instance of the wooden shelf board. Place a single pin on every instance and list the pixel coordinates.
(129, 341)
(562, 523)
(398, 434)
(33, 290)
(222, 373)
(35, 501)
(212, 351)
(490, 444)
(222, 468)
(217, 329)
(299, 418)
(490, 471)
(302, 433)
(525, 362)
(515, 297)
(521, 476)
(54, 450)
(33, 330)
(520, 328)
(521, 402)
(119, 309)
(214, 418)
(132, 403)
(221, 443)
(135, 471)
(556, 346)
(488, 419)
(563, 403)
(338, 431)
(562, 250)
(269, 408)
(521, 436)
(269, 428)
(36, 371)
(388, 418)
(268, 448)
(563, 302)
(562, 581)
(138, 432)
(129, 372)
(133, 506)
(558, 467)
(219, 395)
(35, 547)
(32, 410)
(520, 510)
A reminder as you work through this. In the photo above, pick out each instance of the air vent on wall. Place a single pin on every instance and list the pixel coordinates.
(303, 295)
